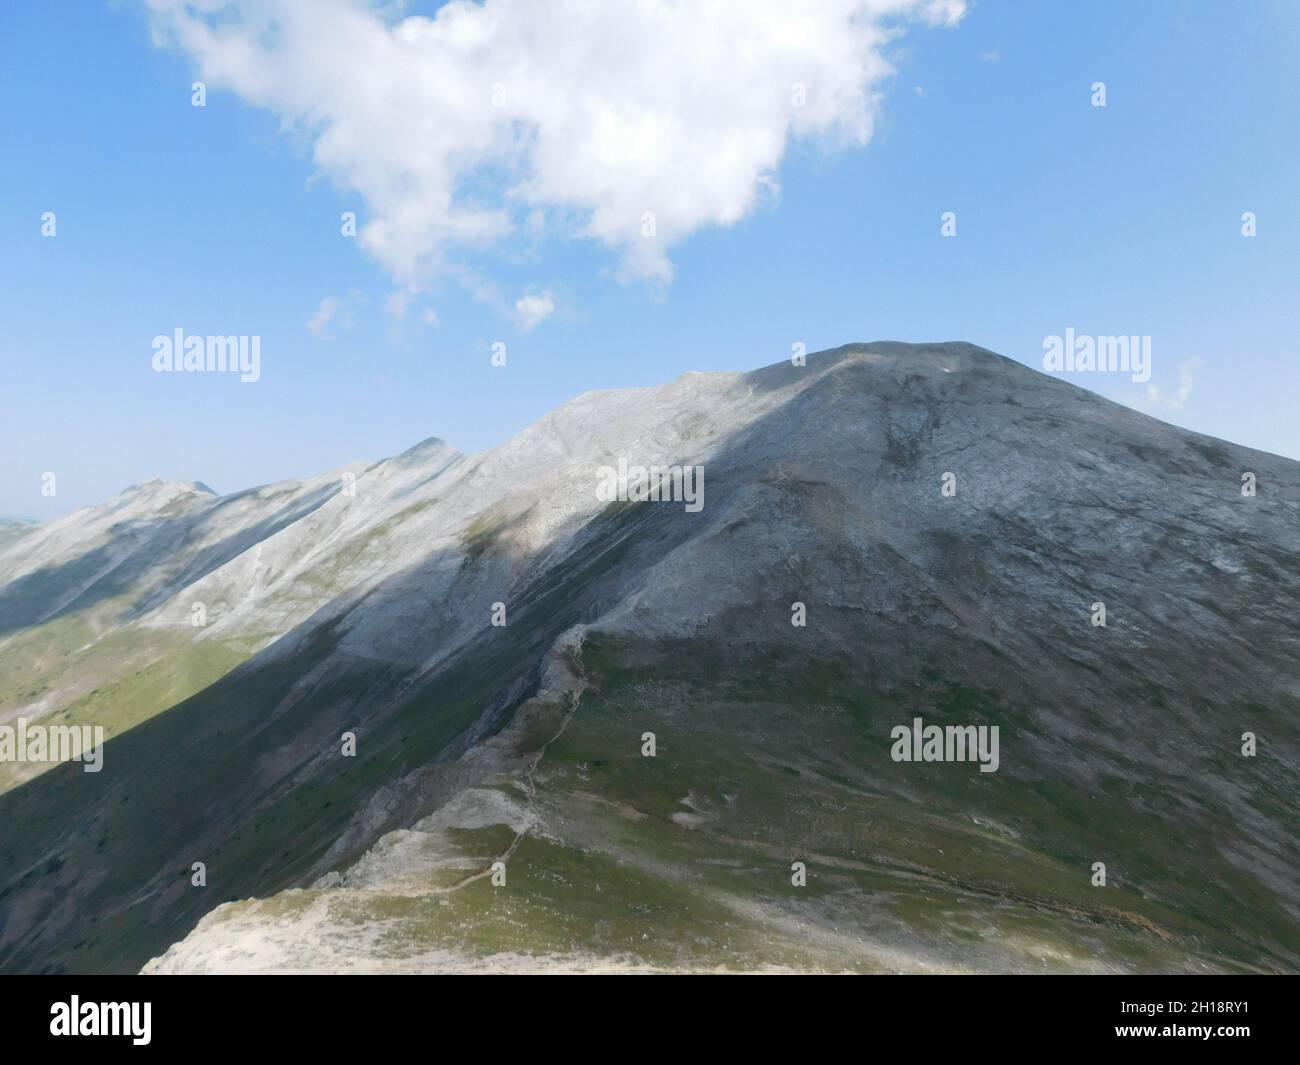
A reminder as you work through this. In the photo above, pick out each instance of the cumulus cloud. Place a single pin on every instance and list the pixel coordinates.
(634, 124)
(533, 310)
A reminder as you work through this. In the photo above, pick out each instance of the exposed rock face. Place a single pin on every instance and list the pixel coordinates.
(363, 602)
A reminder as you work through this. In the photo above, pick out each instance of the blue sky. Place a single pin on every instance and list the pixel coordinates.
(1123, 219)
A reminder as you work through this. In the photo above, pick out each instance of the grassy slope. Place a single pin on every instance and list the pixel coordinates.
(960, 863)
(245, 775)
(115, 681)
(683, 860)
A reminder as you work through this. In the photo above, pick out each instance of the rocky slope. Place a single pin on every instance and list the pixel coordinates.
(362, 602)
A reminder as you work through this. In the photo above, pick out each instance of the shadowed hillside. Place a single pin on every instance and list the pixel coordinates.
(371, 613)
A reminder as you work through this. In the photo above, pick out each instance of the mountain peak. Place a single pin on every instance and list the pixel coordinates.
(156, 484)
(427, 447)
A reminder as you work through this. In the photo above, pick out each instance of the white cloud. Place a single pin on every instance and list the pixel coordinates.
(334, 314)
(1155, 399)
(325, 313)
(488, 120)
(398, 302)
(401, 303)
(533, 310)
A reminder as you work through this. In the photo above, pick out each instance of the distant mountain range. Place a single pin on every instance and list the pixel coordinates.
(675, 729)
(12, 529)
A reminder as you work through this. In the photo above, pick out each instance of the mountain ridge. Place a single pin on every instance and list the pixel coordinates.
(371, 613)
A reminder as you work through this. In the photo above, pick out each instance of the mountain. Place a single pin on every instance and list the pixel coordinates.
(942, 519)
(12, 529)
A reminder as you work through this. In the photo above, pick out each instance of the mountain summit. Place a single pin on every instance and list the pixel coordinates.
(446, 711)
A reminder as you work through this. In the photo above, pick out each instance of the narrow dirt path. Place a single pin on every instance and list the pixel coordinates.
(529, 778)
